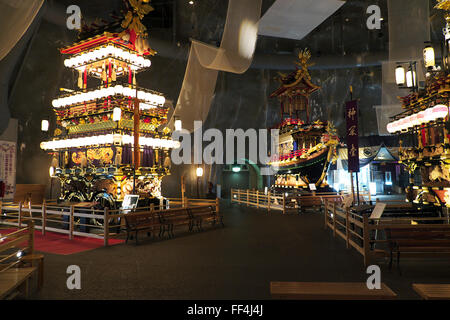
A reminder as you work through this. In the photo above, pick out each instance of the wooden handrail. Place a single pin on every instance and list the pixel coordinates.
(365, 225)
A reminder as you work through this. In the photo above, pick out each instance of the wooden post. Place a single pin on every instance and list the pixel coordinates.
(247, 198)
(183, 189)
(152, 207)
(29, 210)
(366, 239)
(347, 227)
(268, 201)
(217, 206)
(326, 214)
(20, 214)
(284, 203)
(334, 219)
(44, 218)
(31, 232)
(71, 222)
(239, 196)
(353, 190)
(257, 198)
(106, 227)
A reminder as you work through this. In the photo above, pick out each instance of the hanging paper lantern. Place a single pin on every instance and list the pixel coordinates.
(440, 111)
(414, 120)
(391, 127)
(421, 117)
(429, 115)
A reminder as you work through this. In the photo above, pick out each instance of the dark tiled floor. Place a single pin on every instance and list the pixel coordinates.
(236, 262)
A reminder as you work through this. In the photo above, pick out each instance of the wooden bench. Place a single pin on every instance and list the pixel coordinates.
(175, 218)
(432, 291)
(143, 221)
(329, 291)
(202, 214)
(418, 240)
(167, 220)
(17, 262)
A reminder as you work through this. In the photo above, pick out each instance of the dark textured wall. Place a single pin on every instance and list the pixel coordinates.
(241, 101)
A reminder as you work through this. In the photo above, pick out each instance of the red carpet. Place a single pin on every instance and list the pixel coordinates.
(59, 243)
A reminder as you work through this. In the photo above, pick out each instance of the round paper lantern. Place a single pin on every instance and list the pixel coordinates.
(429, 115)
(390, 127)
(421, 117)
(414, 120)
(439, 111)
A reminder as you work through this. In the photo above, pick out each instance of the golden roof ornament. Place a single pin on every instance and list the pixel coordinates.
(303, 62)
(132, 22)
(443, 5)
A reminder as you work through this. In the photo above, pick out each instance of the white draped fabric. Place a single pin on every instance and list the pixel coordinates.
(234, 55)
(294, 19)
(15, 18)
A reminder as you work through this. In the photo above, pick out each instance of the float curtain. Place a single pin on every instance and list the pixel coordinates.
(235, 55)
(15, 18)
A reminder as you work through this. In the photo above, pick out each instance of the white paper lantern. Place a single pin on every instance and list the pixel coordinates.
(400, 75)
(439, 111)
(411, 79)
(44, 125)
(117, 114)
(428, 57)
(429, 115)
(421, 117)
(414, 120)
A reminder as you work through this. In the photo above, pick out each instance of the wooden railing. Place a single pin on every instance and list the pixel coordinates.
(186, 202)
(19, 243)
(269, 201)
(78, 221)
(279, 201)
(362, 232)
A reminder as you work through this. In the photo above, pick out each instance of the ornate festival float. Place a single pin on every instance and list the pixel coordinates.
(306, 148)
(423, 126)
(106, 143)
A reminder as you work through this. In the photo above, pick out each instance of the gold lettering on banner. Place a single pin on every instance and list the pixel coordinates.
(353, 151)
(351, 113)
(352, 130)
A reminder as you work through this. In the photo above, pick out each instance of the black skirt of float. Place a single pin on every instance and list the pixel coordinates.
(310, 170)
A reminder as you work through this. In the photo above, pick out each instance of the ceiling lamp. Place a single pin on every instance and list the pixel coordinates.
(428, 57)
(400, 76)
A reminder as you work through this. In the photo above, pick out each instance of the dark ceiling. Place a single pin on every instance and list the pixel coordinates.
(177, 21)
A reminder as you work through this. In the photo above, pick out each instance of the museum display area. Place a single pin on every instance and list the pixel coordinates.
(233, 154)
